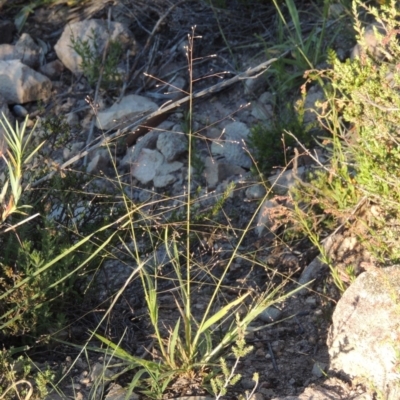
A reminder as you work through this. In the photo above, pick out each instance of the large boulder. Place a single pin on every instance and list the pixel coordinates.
(364, 339)
(95, 33)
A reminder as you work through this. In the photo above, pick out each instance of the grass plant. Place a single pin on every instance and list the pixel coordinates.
(188, 349)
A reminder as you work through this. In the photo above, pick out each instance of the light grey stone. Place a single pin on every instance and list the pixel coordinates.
(122, 113)
(282, 182)
(89, 31)
(99, 162)
(264, 216)
(270, 314)
(21, 84)
(147, 164)
(73, 150)
(311, 272)
(117, 392)
(364, 336)
(25, 50)
(319, 369)
(370, 42)
(52, 69)
(311, 111)
(161, 181)
(172, 145)
(255, 192)
(31, 53)
(216, 172)
(232, 145)
(263, 112)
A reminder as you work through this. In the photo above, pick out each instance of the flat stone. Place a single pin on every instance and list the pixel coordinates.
(148, 162)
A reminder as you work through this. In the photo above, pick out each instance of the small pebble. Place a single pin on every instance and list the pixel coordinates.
(19, 111)
(319, 369)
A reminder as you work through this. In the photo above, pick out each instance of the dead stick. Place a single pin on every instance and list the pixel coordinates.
(157, 115)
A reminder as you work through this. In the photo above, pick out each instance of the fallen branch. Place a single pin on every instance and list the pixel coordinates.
(152, 120)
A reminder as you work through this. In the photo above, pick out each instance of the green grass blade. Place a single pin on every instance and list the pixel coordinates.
(221, 313)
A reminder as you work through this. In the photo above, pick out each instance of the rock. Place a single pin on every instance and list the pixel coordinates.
(25, 50)
(172, 145)
(262, 108)
(319, 369)
(99, 162)
(152, 166)
(96, 33)
(72, 119)
(232, 145)
(21, 84)
(270, 314)
(282, 182)
(7, 29)
(52, 70)
(20, 111)
(164, 180)
(117, 392)
(271, 215)
(72, 151)
(364, 336)
(31, 53)
(255, 192)
(311, 110)
(122, 113)
(216, 172)
(145, 169)
(311, 272)
(370, 42)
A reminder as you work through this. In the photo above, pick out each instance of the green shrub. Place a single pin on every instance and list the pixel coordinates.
(362, 116)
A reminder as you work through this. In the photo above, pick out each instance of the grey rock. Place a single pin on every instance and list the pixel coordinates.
(90, 31)
(52, 70)
(122, 113)
(72, 151)
(281, 183)
(31, 53)
(319, 369)
(232, 145)
(255, 192)
(172, 145)
(311, 109)
(99, 162)
(20, 111)
(21, 84)
(146, 167)
(161, 181)
(311, 272)
(270, 314)
(117, 392)
(370, 42)
(264, 219)
(216, 172)
(25, 50)
(363, 339)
